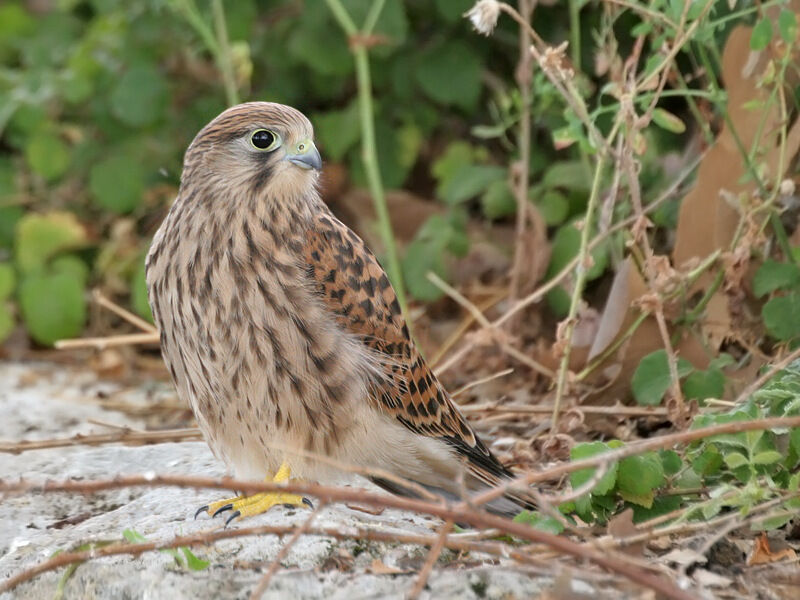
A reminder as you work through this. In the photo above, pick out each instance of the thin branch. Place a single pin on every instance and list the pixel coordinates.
(461, 513)
(284, 551)
(123, 313)
(123, 436)
(430, 561)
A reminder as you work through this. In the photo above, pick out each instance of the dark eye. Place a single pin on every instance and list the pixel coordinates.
(263, 139)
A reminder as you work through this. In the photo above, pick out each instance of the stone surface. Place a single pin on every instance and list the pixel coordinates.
(46, 401)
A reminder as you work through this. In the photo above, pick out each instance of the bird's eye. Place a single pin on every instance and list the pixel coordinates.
(263, 139)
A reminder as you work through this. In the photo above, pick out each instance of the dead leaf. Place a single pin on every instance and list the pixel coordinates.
(378, 567)
(365, 508)
(620, 527)
(762, 553)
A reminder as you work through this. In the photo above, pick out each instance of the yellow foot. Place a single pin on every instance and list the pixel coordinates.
(247, 506)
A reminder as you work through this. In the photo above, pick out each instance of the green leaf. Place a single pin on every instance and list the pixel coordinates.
(652, 378)
(498, 201)
(580, 477)
(640, 475)
(117, 183)
(541, 522)
(40, 237)
(8, 280)
(774, 275)
(71, 265)
(668, 121)
(139, 300)
(570, 175)
(456, 155)
(53, 306)
(470, 181)
(787, 25)
(450, 73)
(554, 207)
(318, 44)
(767, 457)
(566, 245)
(782, 316)
(6, 321)
(422, 256)
(734, 460)
(133, 536)
(453, 10)
(671, 461)
(194, 563)
(704, 384)
(140, 96)
(762, 34)
(47, 154)
(770, 523)
(661, 505)
(708, 462)
(9, 216)
(338, 131)
(643, 500)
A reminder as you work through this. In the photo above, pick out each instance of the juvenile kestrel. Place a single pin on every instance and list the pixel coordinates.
(283, 333)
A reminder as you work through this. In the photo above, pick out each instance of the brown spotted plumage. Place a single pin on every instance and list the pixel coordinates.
(283, 332)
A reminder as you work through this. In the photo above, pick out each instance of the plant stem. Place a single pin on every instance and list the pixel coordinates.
(575, 30)
(580, 281)
(369, 152)
(223, 54)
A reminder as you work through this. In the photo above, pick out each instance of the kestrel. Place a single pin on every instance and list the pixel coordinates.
(283, 333)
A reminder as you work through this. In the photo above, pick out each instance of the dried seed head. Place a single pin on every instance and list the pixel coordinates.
(484, 16)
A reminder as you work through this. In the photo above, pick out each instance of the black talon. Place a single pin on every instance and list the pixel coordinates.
(199, 510)
(222, 509)
(308, 503)
(231, 518)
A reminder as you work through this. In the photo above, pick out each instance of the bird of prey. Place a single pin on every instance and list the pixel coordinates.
(283, 333)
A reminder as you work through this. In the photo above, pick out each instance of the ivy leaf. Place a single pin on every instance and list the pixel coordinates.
(450, 73)
(541, 522)
(8, 280)
(53, 306)
(6, 320)
(469, 181)
(117, 183)
(40, 237)
(704, 384)
(140, 97)
(782, 316)
(139, 300)
(652, 379)
(774, 275)
(498, 201)
(47, 154)
(580, 477)
(640, 475)
(338, 131)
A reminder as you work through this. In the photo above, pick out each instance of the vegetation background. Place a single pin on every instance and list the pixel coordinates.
(634, 189)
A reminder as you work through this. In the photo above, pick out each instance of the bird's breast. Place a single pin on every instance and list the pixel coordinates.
(247, 341)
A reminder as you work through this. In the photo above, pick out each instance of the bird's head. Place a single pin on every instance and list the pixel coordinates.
(256, 148)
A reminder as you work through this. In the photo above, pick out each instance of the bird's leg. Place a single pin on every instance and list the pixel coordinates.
(247, 506)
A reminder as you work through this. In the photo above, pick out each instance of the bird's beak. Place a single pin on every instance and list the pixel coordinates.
(305, 155)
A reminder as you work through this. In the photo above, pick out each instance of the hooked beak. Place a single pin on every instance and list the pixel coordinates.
(305, 156)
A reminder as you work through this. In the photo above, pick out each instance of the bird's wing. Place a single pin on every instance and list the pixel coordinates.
(355, 288)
